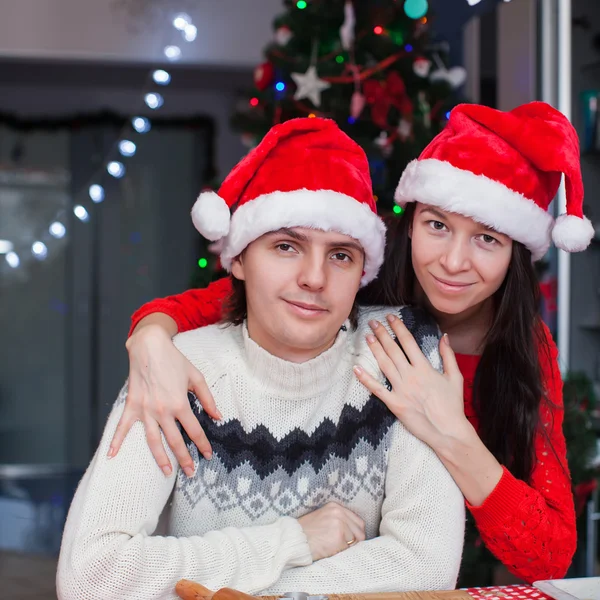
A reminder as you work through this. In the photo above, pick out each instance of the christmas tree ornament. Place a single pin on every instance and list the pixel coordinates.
(283, 35)
(347, 28)
(404, 129)
(309, 85)
(421, 67)
(263, 76)
(357, 104)
(383, 142)
(454, 77)
(424, 109)
(415, 9)
(382, 95)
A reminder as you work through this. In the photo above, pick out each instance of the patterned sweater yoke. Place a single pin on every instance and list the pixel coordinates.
(293, 437)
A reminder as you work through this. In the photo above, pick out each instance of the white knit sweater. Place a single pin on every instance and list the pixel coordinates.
(293, 437)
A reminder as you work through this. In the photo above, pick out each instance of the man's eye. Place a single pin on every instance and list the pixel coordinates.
(341, 256)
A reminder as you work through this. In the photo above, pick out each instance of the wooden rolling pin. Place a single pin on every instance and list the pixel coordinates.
(189, 590)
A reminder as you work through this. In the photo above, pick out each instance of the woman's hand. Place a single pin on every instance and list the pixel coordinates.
(429, 404)
(159, 379)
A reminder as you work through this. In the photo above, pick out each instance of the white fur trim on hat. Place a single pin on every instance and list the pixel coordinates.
(439, 183)
(210, 215)
(325, 210)
(572, 234)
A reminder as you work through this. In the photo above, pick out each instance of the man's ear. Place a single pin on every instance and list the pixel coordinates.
(237, 268)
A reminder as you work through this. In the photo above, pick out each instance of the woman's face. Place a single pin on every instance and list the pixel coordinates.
(459, 263)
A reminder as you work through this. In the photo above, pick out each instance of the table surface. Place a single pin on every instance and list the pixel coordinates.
(445, 595)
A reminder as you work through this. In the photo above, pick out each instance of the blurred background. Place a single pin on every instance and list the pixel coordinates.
(114, 114)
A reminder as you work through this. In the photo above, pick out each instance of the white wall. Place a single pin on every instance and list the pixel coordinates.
(517, 53)
(98, 30)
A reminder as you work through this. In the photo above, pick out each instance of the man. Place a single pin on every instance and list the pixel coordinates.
(313, 485)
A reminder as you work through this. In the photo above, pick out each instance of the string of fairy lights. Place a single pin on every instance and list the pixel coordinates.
(116, 167)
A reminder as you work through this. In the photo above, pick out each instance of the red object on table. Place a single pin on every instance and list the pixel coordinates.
(507, 592)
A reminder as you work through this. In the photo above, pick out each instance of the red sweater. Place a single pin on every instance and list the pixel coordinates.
(529, 527)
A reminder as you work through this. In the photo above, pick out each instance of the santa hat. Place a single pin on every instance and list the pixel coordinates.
(503, 169)
(304, 173)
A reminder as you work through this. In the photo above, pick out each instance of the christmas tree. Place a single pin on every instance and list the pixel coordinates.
(371, 65)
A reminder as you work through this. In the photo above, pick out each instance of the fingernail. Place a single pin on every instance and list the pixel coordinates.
(390, 318)
(166, 471)
(358, 370)
(207, 455)
(111, 452)
(445, 338)
(371, 338)
(373, 324)
(189, 471)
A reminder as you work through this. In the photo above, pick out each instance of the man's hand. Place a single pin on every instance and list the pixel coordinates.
(332, 529)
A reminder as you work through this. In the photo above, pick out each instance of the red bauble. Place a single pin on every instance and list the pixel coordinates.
(263, 76)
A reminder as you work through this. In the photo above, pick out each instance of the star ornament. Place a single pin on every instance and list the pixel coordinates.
(309, 86)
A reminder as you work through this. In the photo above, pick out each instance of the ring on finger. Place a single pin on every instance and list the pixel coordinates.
(351, 542)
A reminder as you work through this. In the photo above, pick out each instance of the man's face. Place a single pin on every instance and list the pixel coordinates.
(300, 288)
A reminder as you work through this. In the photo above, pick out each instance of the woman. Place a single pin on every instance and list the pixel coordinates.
(477, 215)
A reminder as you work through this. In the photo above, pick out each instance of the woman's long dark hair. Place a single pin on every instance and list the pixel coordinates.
(508, 384)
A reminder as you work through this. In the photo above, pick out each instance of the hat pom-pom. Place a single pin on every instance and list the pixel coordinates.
(210, 215)
(572, 234)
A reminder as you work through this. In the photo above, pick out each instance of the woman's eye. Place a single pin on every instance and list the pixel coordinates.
(437, 225)
(488, 239)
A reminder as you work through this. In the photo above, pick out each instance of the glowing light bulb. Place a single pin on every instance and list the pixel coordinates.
(81, 213)
(153, 100)
(39, 250)
(190, 33)
(57, 230)
(161, 77)
(116, 169)
(96, 193)
(181, 20)
(6, 246)
(172, 53)
(141, 124)
(127, 148)
(13, 260)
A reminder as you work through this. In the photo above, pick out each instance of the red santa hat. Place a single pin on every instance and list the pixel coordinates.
(503, 169)
(304, 173)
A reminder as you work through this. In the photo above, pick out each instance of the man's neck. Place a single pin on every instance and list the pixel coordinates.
(282, 350)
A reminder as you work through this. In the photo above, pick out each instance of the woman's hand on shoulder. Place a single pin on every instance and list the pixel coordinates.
(430, 404)
(159, 380)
